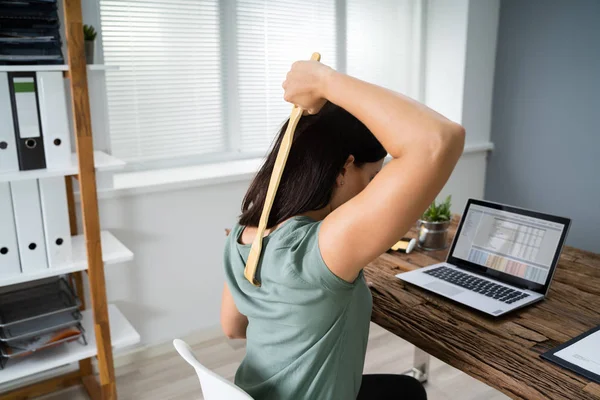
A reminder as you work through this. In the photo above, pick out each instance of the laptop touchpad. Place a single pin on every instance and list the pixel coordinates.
(443, 288)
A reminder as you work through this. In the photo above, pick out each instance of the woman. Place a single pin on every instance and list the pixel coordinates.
(336, 210)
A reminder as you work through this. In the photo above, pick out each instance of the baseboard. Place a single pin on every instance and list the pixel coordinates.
(146, 352)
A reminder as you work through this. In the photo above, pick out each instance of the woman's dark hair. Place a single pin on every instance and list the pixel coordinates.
(322, 144)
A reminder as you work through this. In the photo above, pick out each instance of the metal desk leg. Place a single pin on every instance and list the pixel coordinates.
(420, 369)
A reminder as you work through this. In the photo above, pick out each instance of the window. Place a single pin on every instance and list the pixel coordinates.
(270, 36)
(166, 99)
(200, 80)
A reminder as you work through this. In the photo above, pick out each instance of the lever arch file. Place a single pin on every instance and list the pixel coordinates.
(54, 118)
(9, 252)
(55, 213)
(26, 120)
(28, 220)
(8, 147)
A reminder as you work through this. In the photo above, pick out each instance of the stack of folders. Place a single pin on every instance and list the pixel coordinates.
(34, 132)
(38, 317)
(29, 32)
(35, 230)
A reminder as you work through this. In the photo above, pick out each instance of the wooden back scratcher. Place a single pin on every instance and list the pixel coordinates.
(282, 155)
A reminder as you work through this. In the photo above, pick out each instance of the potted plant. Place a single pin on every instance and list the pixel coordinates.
(433, 225)
(89, 35)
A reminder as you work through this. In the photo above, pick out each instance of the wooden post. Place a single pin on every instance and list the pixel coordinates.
(71, 206)
(89, 200)
(85, 366)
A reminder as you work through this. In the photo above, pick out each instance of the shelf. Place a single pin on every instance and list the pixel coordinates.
(121, 332)
(113, 252)
(62, 67)
(103, 161)
(21, 68)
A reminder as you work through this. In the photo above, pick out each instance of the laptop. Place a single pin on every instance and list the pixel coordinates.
(502, 258)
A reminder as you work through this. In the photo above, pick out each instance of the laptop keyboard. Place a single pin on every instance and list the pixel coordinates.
(478, 285)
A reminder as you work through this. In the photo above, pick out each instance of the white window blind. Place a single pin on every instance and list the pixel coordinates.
(165, 101)
(271, 35)
(201, 79)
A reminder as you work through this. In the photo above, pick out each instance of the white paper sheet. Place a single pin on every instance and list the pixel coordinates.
(585, 353)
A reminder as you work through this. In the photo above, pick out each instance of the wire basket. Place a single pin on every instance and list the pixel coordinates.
(36, 302)
(39, 326)
(30, 346)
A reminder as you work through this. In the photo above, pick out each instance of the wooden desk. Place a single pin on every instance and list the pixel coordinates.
(503, 352)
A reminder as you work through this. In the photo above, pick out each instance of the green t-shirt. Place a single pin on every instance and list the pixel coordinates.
(308, 329)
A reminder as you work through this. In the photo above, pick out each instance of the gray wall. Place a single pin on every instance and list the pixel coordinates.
(546, 113)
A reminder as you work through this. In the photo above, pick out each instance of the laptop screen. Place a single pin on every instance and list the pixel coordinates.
(519, 243)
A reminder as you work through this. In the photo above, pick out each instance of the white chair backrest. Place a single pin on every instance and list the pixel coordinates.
(214, 387)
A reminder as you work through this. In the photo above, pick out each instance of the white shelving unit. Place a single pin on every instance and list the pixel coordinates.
(20, 68)
(113, 252)
(121, 332)
(103, 162)
(19, 378)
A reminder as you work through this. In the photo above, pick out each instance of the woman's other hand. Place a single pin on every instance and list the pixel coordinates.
(306, 84)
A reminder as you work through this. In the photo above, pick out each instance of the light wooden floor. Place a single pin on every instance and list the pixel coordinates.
(168, 377)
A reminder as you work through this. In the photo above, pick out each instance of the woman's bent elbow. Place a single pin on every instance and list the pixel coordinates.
(455, 134)
(456, 138)
(448, 143)
(452, 144)
(232, 333)
(234, 329)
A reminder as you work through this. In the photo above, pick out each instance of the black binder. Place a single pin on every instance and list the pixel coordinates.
(549, 355)
(30, 148)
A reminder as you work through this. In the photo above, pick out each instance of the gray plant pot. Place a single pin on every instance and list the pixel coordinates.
(89, 51)
(433, 235)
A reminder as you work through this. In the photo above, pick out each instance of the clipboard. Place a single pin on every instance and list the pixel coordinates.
(550, 356)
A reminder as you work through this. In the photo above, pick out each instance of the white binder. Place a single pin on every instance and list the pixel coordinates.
(8, 146)
(55, 213)
(9, 252)
(28, 220)
(53, 113)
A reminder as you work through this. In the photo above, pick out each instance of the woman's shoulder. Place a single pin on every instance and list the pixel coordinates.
(296, 231)
(301, 244)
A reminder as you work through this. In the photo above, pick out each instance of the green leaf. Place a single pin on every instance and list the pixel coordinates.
(89, 32)
(439, 212)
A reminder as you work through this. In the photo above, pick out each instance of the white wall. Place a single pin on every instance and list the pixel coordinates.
(173, 286)
(445, 50)
(479, 69)
(459, 74)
